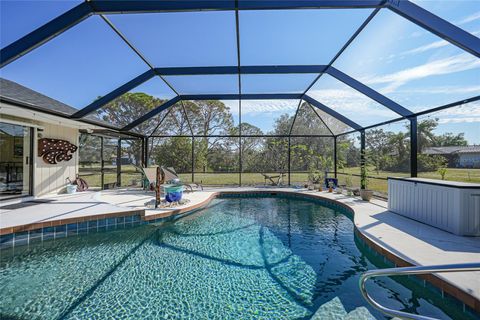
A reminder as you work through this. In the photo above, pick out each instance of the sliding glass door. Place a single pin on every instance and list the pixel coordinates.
(15, 160)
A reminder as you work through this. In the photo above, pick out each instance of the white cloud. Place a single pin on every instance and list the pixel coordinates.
(263, 106)
(430, 46)
(457, 63)
(471, 110)
(350, 101)
(470, 18)
(448, 90)
(459, 120)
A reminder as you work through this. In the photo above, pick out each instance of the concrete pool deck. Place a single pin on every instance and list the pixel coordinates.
(401, 240)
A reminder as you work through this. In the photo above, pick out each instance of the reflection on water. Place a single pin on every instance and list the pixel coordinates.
(242, 258)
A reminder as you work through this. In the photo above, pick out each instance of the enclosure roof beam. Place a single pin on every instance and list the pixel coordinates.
(151, 113)
(97, 104)
(332, 112)
(345, 46)
(284, 69)
(235, 96)
(44, 33)
(160, 123)
(135, 50)
(320, 118)
(355, 84)
(436, 25)
(176, 99)
(295, 116)
(418, 114)
(405, 8)
(369, 92)
(137, 6)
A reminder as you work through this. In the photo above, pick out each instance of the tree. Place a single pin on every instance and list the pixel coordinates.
(378, 148)
(282, 125)
(174, 152)
(425, 135)
(449, 139)
(208, 117)
(275, 155)
(128, 108)
(399, 159)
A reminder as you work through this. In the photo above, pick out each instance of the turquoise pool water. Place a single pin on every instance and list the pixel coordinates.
(245, 258)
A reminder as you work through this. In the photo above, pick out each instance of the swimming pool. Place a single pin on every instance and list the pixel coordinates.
(255, 258)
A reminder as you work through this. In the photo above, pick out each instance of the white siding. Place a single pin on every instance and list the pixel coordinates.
(447, 207)
(51, 178)
(469, 160)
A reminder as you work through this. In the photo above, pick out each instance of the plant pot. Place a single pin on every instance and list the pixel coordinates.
(366, 195)
(317, 186)
(71, 188)
(330, 189)
(311, 187)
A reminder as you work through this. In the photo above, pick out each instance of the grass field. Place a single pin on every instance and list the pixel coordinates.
(130, 177)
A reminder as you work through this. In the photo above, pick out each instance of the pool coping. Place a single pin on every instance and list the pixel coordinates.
(443, 285)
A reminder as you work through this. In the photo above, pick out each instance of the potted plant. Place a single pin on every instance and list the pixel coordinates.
(365, 194)
(339, 189)
(349, 184)
(315, 178)
(330, 186)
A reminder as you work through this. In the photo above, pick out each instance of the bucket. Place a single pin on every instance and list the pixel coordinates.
(71, 188)
(173, 193)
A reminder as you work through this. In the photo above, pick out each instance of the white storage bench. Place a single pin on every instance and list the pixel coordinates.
(448, 205)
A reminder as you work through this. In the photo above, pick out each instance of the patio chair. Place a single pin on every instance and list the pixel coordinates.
(279, 179)
(169, 173)
(153, 177)
(149, 176)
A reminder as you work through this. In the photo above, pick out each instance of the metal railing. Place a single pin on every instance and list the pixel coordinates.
(463, 267)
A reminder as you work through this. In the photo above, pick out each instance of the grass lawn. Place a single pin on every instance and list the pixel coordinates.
(453, 174)
(130, 177)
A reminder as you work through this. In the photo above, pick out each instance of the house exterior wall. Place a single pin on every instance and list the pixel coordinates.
(469, 160)
(51, 178)
(47, 178)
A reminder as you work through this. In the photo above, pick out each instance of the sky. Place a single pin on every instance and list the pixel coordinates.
(392, 55)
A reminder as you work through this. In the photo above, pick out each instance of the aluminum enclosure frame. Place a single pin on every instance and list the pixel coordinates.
(404, 8)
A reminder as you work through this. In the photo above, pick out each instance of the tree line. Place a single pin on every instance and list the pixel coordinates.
(217, 147)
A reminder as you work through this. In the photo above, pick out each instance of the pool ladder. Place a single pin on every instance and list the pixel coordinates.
(462, 267)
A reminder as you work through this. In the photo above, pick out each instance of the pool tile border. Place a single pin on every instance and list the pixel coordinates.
(60, 222)
(56, 229)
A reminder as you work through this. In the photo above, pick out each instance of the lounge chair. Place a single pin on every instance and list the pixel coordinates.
(149, 176)
(153, 177)
(166, 174)
(169, 173)
(279, 178)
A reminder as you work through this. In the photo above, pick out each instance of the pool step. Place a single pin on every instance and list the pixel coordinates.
(334, 310)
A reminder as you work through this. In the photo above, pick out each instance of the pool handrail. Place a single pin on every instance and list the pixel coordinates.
(460, 267)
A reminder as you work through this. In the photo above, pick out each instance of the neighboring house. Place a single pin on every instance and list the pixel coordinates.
(459, 156)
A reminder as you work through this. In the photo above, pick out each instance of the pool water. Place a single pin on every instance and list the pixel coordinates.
(245, 258)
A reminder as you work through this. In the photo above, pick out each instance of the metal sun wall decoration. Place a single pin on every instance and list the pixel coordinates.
(55, 150)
